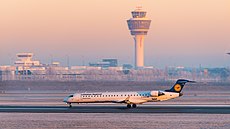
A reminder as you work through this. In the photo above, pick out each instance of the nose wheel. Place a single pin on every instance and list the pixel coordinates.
(70, 105)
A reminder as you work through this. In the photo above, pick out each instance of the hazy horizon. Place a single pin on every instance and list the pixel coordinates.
(182, 33)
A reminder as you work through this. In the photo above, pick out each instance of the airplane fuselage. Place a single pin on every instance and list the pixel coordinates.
(122, 97)
(129, 98)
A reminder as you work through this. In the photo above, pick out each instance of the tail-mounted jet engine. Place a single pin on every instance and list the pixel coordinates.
(156, 93)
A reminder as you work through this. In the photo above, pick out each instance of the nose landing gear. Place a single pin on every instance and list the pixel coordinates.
(70, 105)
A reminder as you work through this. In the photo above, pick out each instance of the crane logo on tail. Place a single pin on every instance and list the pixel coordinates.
(177, 87)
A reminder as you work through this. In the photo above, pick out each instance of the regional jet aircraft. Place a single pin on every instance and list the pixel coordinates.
(129, 98)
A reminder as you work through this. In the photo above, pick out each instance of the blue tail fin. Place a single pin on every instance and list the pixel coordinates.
(179, 86)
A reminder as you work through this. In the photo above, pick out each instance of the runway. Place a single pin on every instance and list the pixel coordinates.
(196, 109)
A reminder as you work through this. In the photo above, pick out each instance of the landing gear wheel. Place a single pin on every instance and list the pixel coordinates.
(128, 106)
(134, 106)
(70, 105)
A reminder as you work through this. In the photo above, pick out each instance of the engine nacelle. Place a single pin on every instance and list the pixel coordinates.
(156, 93)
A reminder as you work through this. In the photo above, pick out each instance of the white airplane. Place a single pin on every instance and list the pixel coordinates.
(129, 98)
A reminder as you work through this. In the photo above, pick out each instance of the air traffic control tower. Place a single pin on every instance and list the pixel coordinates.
(139, 26)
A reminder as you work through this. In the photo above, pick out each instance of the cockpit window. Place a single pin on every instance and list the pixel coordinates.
(71, 96)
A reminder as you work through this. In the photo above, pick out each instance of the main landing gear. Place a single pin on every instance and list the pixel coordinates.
(133, 106)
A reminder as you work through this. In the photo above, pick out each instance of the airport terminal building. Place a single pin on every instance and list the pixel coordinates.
(26, 68)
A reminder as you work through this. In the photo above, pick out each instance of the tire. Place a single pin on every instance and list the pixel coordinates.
(70, 105)
(128, 106)
(134, 106)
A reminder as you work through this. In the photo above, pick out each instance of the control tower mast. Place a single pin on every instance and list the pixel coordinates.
(139, 26)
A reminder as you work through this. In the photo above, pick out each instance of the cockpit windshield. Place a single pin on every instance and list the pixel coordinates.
(70, 96)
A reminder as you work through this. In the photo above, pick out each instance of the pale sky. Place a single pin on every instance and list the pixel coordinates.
(182, 33)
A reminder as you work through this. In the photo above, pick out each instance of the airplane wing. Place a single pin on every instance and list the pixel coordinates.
(137, 101)
(131, 101)
(122, 101)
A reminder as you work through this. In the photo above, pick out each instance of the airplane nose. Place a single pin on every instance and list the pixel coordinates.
(66, 99)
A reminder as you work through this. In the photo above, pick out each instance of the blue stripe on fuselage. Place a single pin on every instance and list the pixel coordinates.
(144, 93)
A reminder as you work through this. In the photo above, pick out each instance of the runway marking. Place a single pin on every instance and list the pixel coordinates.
(197, 109)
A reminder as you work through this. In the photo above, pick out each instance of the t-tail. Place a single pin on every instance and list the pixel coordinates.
(179, 85)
